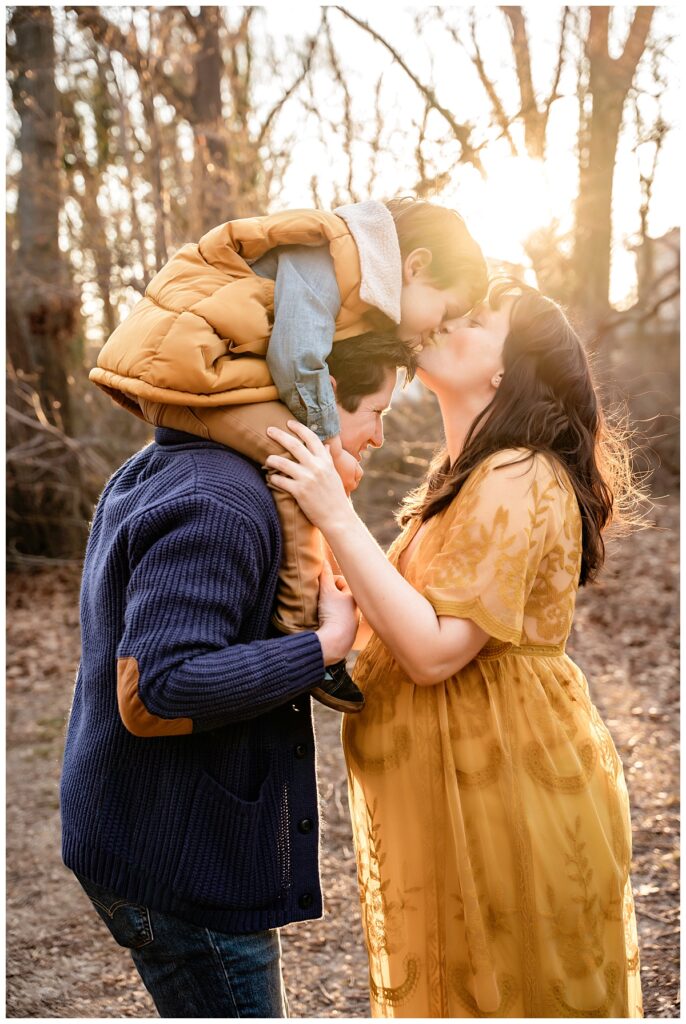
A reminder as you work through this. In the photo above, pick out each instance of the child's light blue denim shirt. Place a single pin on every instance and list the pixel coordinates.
(306, 304)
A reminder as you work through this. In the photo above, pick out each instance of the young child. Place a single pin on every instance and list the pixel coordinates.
(248, 316)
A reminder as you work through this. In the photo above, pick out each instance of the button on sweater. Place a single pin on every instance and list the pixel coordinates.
(181, 786)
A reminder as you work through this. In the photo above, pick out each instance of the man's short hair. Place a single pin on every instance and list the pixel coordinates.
(360, 365)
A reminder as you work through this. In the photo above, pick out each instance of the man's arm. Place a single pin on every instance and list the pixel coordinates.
(198, 569)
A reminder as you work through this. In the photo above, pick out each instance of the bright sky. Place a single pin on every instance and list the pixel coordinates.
(519, 195)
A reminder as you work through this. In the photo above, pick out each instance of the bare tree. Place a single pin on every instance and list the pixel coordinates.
(603, 85)
(651, 134)
(216, 184)
(533, 114)
(45, 512)
(202, 54)
(91, 236)
(350, 129)
(610, 79)
(44, 303)
(461, 132)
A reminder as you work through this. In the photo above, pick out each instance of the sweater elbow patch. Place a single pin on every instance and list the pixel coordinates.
(134, 714)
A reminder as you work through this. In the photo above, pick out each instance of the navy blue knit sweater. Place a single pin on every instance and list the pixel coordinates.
(189, 773)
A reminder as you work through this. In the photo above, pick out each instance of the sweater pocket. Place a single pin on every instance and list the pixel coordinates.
(234, 851)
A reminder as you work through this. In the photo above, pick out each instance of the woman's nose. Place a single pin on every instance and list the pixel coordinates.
(455, 322)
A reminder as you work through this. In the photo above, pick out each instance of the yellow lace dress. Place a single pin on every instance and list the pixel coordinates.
(490, 812)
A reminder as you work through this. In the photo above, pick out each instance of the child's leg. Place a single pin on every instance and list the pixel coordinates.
(243, 427)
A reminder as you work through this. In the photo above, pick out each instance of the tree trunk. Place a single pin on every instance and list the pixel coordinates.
(213, 192)
(535, 120)
(44, 492)
(46, 305)
(593, 237)
(609, 83)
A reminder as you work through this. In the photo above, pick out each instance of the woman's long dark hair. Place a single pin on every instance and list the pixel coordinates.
(546, 402)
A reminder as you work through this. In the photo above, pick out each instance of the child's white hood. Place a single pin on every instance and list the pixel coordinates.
(373, 229)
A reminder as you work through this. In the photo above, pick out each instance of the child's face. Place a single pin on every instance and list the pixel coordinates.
(424, 306)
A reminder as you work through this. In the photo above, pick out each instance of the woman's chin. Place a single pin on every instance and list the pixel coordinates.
(425, 377)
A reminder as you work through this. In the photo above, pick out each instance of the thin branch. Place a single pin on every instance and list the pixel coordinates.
(662, 301)
(419, 155)
(247, 77)
(462, 132)
(307, 63)
(314, 191)
(496, 104)
(553, 95)
(80, 448)
(636, 41)
(238, 78)
(347, 104)
(622, 68)
(126, 128)
(375, 143)
(15, 557)
(615, 319)
(112, 37)
(534, 126)
(192, 20)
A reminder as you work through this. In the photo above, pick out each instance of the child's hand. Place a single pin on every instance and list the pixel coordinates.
(349, 470)
(347, 466)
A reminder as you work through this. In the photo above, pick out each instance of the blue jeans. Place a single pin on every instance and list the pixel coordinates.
(191, 971)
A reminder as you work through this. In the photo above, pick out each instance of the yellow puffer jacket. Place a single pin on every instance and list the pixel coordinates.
(206, 306)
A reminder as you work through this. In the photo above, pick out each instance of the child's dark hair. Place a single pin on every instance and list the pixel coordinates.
(361, 364)
(456, 259)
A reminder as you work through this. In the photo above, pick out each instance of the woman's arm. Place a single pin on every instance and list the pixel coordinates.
(363, 635)
(430, 648)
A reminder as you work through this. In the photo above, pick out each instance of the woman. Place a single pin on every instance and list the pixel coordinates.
(489, 806)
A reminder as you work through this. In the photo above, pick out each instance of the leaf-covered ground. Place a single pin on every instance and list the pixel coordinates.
(63, 963)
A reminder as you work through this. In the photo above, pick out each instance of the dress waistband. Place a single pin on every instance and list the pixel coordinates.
(489, 652)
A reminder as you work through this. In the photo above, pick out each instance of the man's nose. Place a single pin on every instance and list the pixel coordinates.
(376, 440)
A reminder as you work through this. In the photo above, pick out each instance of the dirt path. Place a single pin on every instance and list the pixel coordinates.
(62, 962)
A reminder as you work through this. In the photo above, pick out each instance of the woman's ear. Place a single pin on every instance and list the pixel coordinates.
(496, 379)
(416, 263)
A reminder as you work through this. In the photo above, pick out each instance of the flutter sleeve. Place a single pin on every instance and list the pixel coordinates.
(496, 534)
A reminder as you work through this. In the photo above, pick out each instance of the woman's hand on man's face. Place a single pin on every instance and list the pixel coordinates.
(310, 476)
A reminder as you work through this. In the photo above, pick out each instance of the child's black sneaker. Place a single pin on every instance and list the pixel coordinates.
(338, 691)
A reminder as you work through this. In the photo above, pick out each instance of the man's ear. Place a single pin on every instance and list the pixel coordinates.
(416, 263)
(333, 384)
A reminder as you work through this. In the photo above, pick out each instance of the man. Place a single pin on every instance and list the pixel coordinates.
(189, 803)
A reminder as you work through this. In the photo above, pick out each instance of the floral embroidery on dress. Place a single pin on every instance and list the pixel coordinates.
(397, 994)
(537, 761)
(561, 1008)
(459, 979)
(382, 761)
(490, 811)
(577, 925)
(474, 719)
(487, 775)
